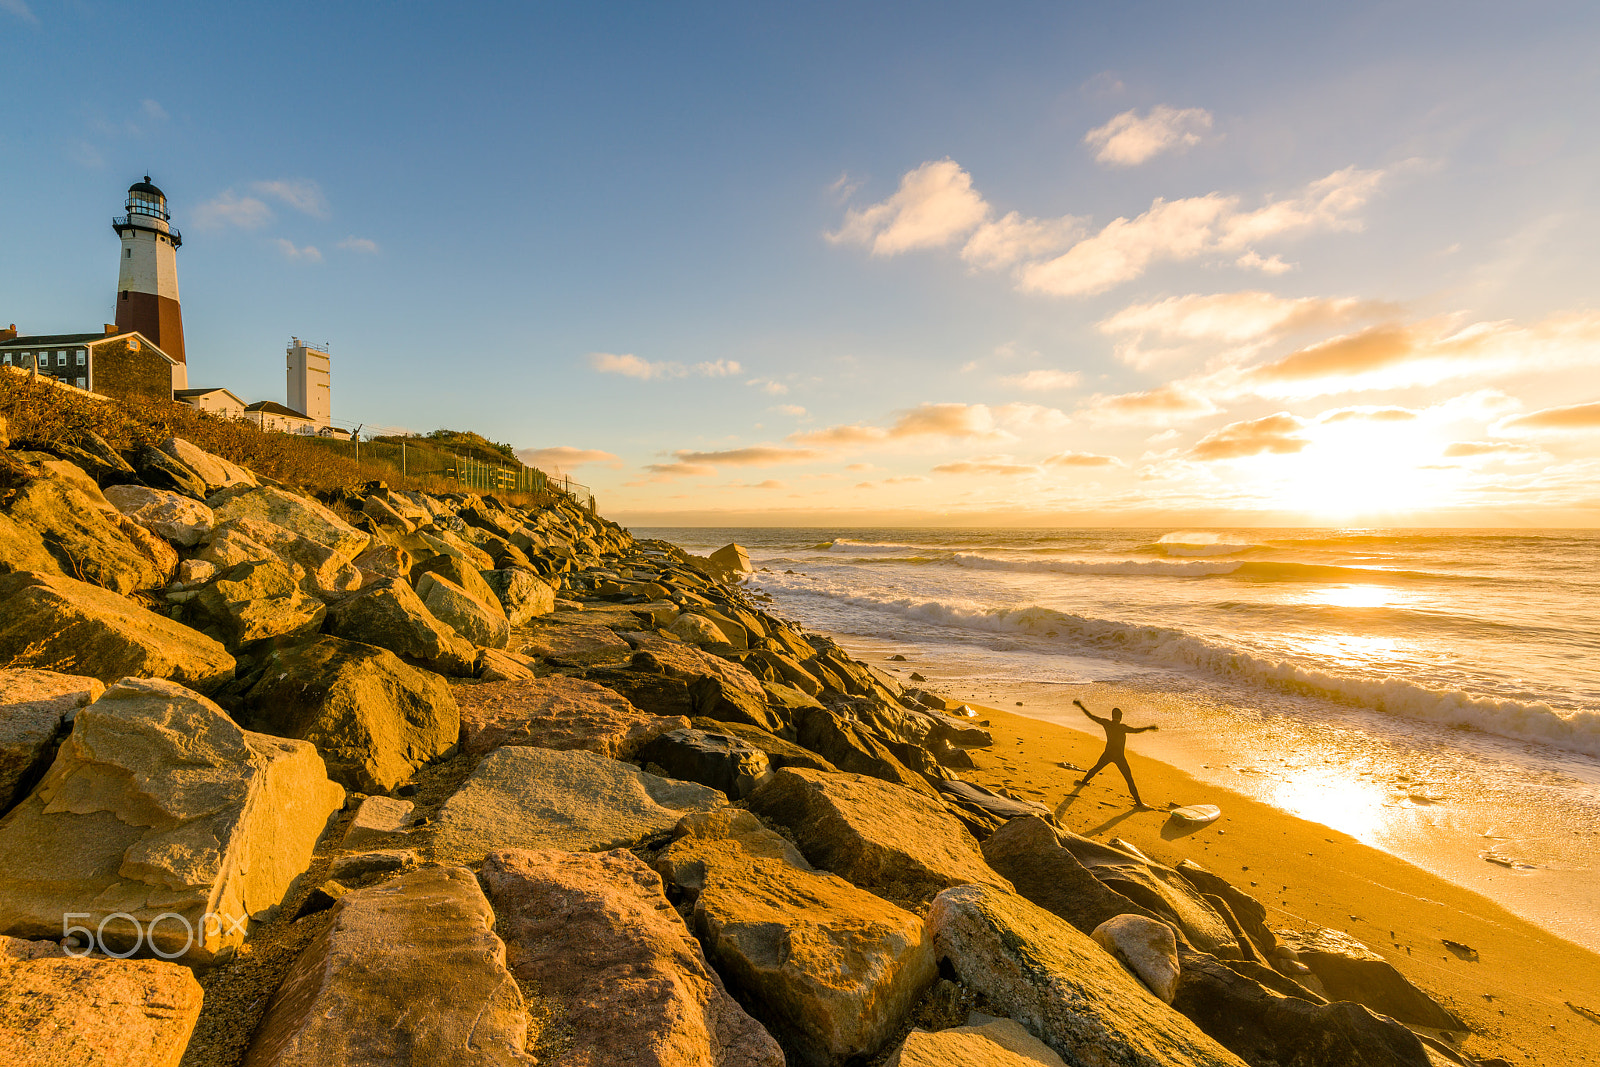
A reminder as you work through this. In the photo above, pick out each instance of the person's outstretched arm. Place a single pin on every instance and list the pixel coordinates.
(1142, 729)
(1089, 713)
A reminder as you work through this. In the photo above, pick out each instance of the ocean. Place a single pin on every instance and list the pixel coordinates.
(1432, 692)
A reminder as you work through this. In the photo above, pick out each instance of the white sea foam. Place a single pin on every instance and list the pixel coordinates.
(1535, 721)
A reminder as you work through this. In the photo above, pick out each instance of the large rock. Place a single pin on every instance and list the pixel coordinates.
(850, 748)
(593, 933)
(567, 645)
(460, 573)
(160, 471)
(34, 706)
(83, 531)
(876, 834)
(1262, 1027)
(1349, 970)
(59, 624)
(780, 753)
(56, 1012)
(158, 803)
(731, 558)
(1028, 853)
(985, 810)
(574, 801)
(523, 594)
(298, 514)
(719, 760)
(176, 518)
(481, 621)
(556, 712)
(253, 602)
(408, 972)
(1148, 948)
(374, 719)
(831, 969)
(698, 630)
(22, 549)
(1160, 890)
(996, 1043)
(328, 573)
(1250, 913)
(216, 472)
(1061, 985)
(389, 614)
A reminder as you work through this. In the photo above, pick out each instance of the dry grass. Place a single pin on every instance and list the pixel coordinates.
(40, 414)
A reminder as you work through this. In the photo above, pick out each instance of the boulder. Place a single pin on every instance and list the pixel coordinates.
(1161, 891)
(498, 665)
(653, 694)
(569, 645)
(523, 594)
(176, 518)
(214, 471)
(374, 719)
(90, 452)
(389, 614)
(698, 630)
(380, 511)
(65, 508)
(731, 558)
(985, 810)
(1071, 994)
(297, 514)
(22, 549)
(715, 759)
(1349, 970)
(460, 573)
(382, 561)
(159, 806)
(375, 824)
(480, 621)
(253, 602)
(1146, 947)
(1261, 1027)
(996, 1043)
(728, 700)
(832, 970)
(355, 866)
(574, 801)
(780, 753)
(850, 748)
(34, 708)
(99, 1012)
(1028, 853)
(328, 574)
(409, 971)
(558, 713)
(594, 934)
(1250, 913)
(59, 624)
(878, 835)
(161, 471)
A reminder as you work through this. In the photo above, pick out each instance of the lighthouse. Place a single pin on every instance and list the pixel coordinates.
(147, 282)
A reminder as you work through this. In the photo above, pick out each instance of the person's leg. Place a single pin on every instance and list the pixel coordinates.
(1096, 769)
(1127, 776)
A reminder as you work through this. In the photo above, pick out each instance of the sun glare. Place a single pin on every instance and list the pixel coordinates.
(1352, 469)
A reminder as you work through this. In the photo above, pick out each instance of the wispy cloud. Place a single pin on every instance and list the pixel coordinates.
(228, 208)
(1081, 459)
(1280, 434)
(721, 368)
(934, 205)
(20, 9)
(1128, 139)
(364, 245)
(631, 366)
(768, 386)
(1169, 403)
(306, 253)
(301, 194)
(1044, 380)
(755, 456)
(563, 457)
(1571, 417)
(794, 410)
(153, 110)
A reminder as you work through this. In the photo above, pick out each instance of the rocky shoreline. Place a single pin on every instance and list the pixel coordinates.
(385, 777)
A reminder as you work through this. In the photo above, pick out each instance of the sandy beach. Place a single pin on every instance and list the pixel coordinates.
(1530, 996)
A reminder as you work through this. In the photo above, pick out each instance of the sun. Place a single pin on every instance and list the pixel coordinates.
(1351, 469)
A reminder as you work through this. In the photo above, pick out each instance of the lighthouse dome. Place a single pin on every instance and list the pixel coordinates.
(146, 199)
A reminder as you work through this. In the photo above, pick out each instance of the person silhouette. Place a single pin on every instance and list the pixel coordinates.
(1116, 749)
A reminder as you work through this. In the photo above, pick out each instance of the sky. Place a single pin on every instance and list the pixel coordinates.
(887, 264)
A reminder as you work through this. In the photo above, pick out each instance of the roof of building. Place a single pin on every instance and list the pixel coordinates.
(184, 394)
(146, 187)
(272, 408)
(45, 340)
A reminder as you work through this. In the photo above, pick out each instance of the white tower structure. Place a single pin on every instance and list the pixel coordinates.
(309, 385)
(147, 280)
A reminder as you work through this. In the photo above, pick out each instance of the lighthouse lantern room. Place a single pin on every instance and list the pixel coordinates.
(147, 282)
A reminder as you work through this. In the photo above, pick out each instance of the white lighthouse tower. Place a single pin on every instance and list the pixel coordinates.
(147, 283)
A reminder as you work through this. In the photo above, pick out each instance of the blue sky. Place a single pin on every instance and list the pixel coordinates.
(741, 263)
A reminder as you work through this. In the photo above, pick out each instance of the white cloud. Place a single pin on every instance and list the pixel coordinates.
(20, 9)
(1013, 238)
(228, 208)
(1128, 140)
(1043, 380)
(934, 205)
(631, 366)
(302, 194)
(359, 244)
(308, 253)
(791, 409)
(563, 457)
(768, 386)
(1252, 260)
(1185, 229)
(721, 368)
(1234, 318)
(153, 110)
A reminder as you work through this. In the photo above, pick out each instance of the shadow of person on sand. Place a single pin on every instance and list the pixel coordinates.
(1113, 821)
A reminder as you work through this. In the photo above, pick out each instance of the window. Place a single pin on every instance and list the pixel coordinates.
(82, 382)
(130, 252)
(7, 360)
(83, 357)
(61, 358)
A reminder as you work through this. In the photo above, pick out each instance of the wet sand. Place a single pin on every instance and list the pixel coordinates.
(1529, 995)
